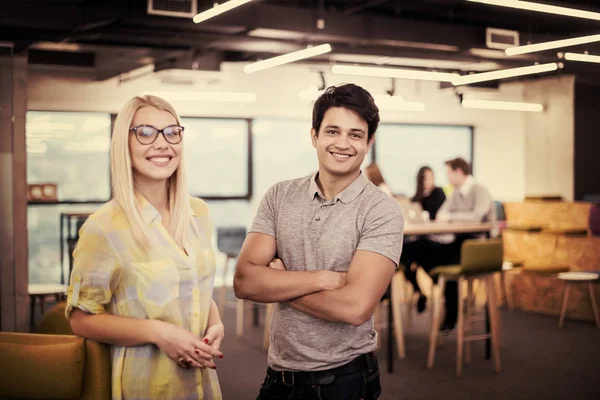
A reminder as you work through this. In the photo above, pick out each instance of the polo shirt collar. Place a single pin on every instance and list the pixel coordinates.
(350, 193)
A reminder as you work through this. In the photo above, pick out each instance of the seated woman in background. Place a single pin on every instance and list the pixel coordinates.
(430, 196)
(373, 174)
(431, 199)
(144, 266)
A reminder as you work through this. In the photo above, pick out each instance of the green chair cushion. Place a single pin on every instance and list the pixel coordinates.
(446, 270)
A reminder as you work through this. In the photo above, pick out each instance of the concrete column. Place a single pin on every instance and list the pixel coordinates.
(14, 271)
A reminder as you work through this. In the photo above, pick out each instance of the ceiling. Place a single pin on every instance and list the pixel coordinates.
(113, 37)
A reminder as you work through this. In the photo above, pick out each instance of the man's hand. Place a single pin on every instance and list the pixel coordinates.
(442, 216)
(277, 264)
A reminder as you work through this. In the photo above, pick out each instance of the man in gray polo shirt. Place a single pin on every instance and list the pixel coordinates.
(337, 240)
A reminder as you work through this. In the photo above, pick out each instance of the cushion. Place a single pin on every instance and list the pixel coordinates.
(446, 270)
(54, 322)
(41, 370)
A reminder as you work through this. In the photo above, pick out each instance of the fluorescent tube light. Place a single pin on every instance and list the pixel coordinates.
(393, 73)
(555, 44)
(582, 57)
(287, 58)
(217, 10)
(232, 97)
(505, 73)
(545, 8)
(502, 105)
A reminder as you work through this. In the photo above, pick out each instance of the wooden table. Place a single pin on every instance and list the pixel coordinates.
(423, 229)
(434, 228)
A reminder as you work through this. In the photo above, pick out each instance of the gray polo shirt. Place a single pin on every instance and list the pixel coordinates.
(313, 233)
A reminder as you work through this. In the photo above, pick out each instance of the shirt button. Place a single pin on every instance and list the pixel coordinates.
(196, 314)
(195, 291)
(318, 219)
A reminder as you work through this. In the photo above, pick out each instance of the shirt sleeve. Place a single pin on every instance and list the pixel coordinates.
(96, 271)
(265, 220)
(383, 230)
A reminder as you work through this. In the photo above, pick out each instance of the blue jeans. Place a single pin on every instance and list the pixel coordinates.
(362, 385)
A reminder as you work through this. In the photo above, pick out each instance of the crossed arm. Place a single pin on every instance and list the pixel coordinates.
(328, 295)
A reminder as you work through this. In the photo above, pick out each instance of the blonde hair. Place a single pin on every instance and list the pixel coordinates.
(123, 188)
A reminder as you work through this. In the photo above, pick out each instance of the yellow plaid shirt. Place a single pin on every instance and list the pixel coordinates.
(113, 274)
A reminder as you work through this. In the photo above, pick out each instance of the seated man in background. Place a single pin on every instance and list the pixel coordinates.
(469, 202)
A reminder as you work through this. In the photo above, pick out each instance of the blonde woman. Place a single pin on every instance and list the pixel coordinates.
(144, 267)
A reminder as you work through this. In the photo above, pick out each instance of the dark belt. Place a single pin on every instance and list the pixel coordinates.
(290, 378)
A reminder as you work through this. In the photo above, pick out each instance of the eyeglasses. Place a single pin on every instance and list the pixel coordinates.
(147, 134)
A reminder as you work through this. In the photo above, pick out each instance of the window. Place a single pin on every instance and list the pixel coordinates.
(217, 155)
(70, 149)
(403, 149)
(283, 150)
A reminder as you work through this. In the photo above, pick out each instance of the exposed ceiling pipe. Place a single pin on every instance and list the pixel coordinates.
(363, 6)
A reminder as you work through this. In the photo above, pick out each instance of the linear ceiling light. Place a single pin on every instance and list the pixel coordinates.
(545, 8)
(582, 57)
(393, 73)
(502, 105)
(231, 97)
(217, 10)
(287, 58)
(555, 44)
(505, 73)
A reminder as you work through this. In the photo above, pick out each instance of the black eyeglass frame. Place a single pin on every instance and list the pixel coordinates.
(158, 131)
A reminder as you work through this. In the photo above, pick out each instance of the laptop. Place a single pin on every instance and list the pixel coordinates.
(413, 212)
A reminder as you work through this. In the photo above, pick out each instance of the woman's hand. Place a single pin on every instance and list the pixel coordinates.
(214, 336)
(183, 347)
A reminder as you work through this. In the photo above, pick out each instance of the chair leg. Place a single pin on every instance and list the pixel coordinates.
(460, 327)
(565, 300)
(494, 321)
(435, 322)
(223, 289)
(43, 304)
(32, 300)
(398, 286)
(594, 306)
(268, 319)
(506, 295)
(470, 304)
(239, 318)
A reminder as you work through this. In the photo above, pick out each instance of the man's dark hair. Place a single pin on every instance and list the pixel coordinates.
(459, 163)
(349, 96)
